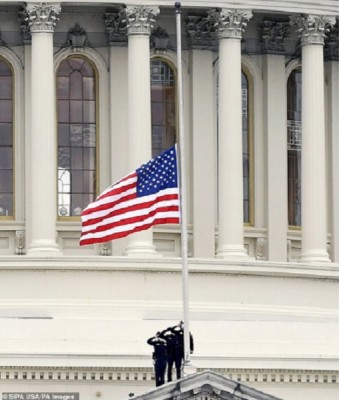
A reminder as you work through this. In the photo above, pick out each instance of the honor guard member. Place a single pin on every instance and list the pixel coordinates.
(159, 357)
(171, 340)
(178, 330)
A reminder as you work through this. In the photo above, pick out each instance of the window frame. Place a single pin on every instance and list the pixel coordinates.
(68, 56)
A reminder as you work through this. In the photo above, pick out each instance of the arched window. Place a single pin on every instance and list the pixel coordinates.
(294, 147)
(6, 140)
(163, 106)
(77, 135)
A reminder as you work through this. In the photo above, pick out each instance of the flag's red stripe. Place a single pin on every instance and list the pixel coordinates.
(119, 235)
(106, 206)
(133, 207)
(132, 220)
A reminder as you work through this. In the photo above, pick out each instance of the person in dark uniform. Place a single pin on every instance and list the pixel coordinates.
(178, 330)
(159, 357)
(171, 341)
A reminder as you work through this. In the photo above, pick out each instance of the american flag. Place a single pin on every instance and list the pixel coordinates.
(148, 196)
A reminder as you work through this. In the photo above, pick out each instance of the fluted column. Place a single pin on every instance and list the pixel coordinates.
(312, 30)
(140, 20)
(231, 24)
(42, 18)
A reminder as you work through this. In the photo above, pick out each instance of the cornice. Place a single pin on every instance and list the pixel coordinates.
(196, 265)
(146, 375)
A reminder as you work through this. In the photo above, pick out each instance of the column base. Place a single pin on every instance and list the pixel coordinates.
(141, 250)
(232, 253)
(188, 369)
(315, 256)
(43, 249)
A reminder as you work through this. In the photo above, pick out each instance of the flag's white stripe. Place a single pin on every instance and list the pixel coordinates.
(129, 203)
(109, 199)
(130, 227)
(133, 214)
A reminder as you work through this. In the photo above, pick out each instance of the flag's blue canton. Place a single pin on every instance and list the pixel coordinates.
(158, 174)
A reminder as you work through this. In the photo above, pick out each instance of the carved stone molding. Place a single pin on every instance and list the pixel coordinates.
(58, 373)
(20, 242)
(231, 23)
(42, 17)
(202, 31)
(312, 29)
(141, 19)
(116, 26)
(273, 35)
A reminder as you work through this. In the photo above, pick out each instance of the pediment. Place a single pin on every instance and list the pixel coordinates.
(206, 385)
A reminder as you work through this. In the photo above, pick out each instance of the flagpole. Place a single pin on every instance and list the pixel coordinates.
(184, 236)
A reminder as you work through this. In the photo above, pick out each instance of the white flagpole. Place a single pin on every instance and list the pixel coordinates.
(184, 236)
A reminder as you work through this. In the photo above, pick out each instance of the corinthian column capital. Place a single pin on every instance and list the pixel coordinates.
(312, 28)
(141, 19)
(42, 17)
(231, 22)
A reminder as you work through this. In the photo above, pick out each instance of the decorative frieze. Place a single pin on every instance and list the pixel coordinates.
(202, 31)
(141, 19)
(273, 35)
(49, 373)
(116, 26)
(312, 29)
(231, 23)
(42, 17)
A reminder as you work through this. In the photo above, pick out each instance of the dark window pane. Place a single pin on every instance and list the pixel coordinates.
(64, 158)
(89, 111)
(76, 135)
(63, 135)
(6, 87)
(89, 135)
(6, 204)
(6, 137)
(6, 181)
(6, 160)
(89, 88)
(76, 111)
(89, 158)
(77, 181)
(64, 69)
(76, 158)
(87, 69)
(89, 181)
(6, 111)
(63, 88)
(76, 63)
(63, 111)
(76, 86)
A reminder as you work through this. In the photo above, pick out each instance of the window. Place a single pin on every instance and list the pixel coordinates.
(77, 135)
(246, 149)
(6, 140)
(163, 106)
(294, 147)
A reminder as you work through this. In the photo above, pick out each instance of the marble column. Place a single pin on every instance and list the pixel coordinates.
(275, 128)
(312, 29)
(332, 71)
(140, 21)
(201, 39)
(42, 18)
(116, 31)
(231, 24)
